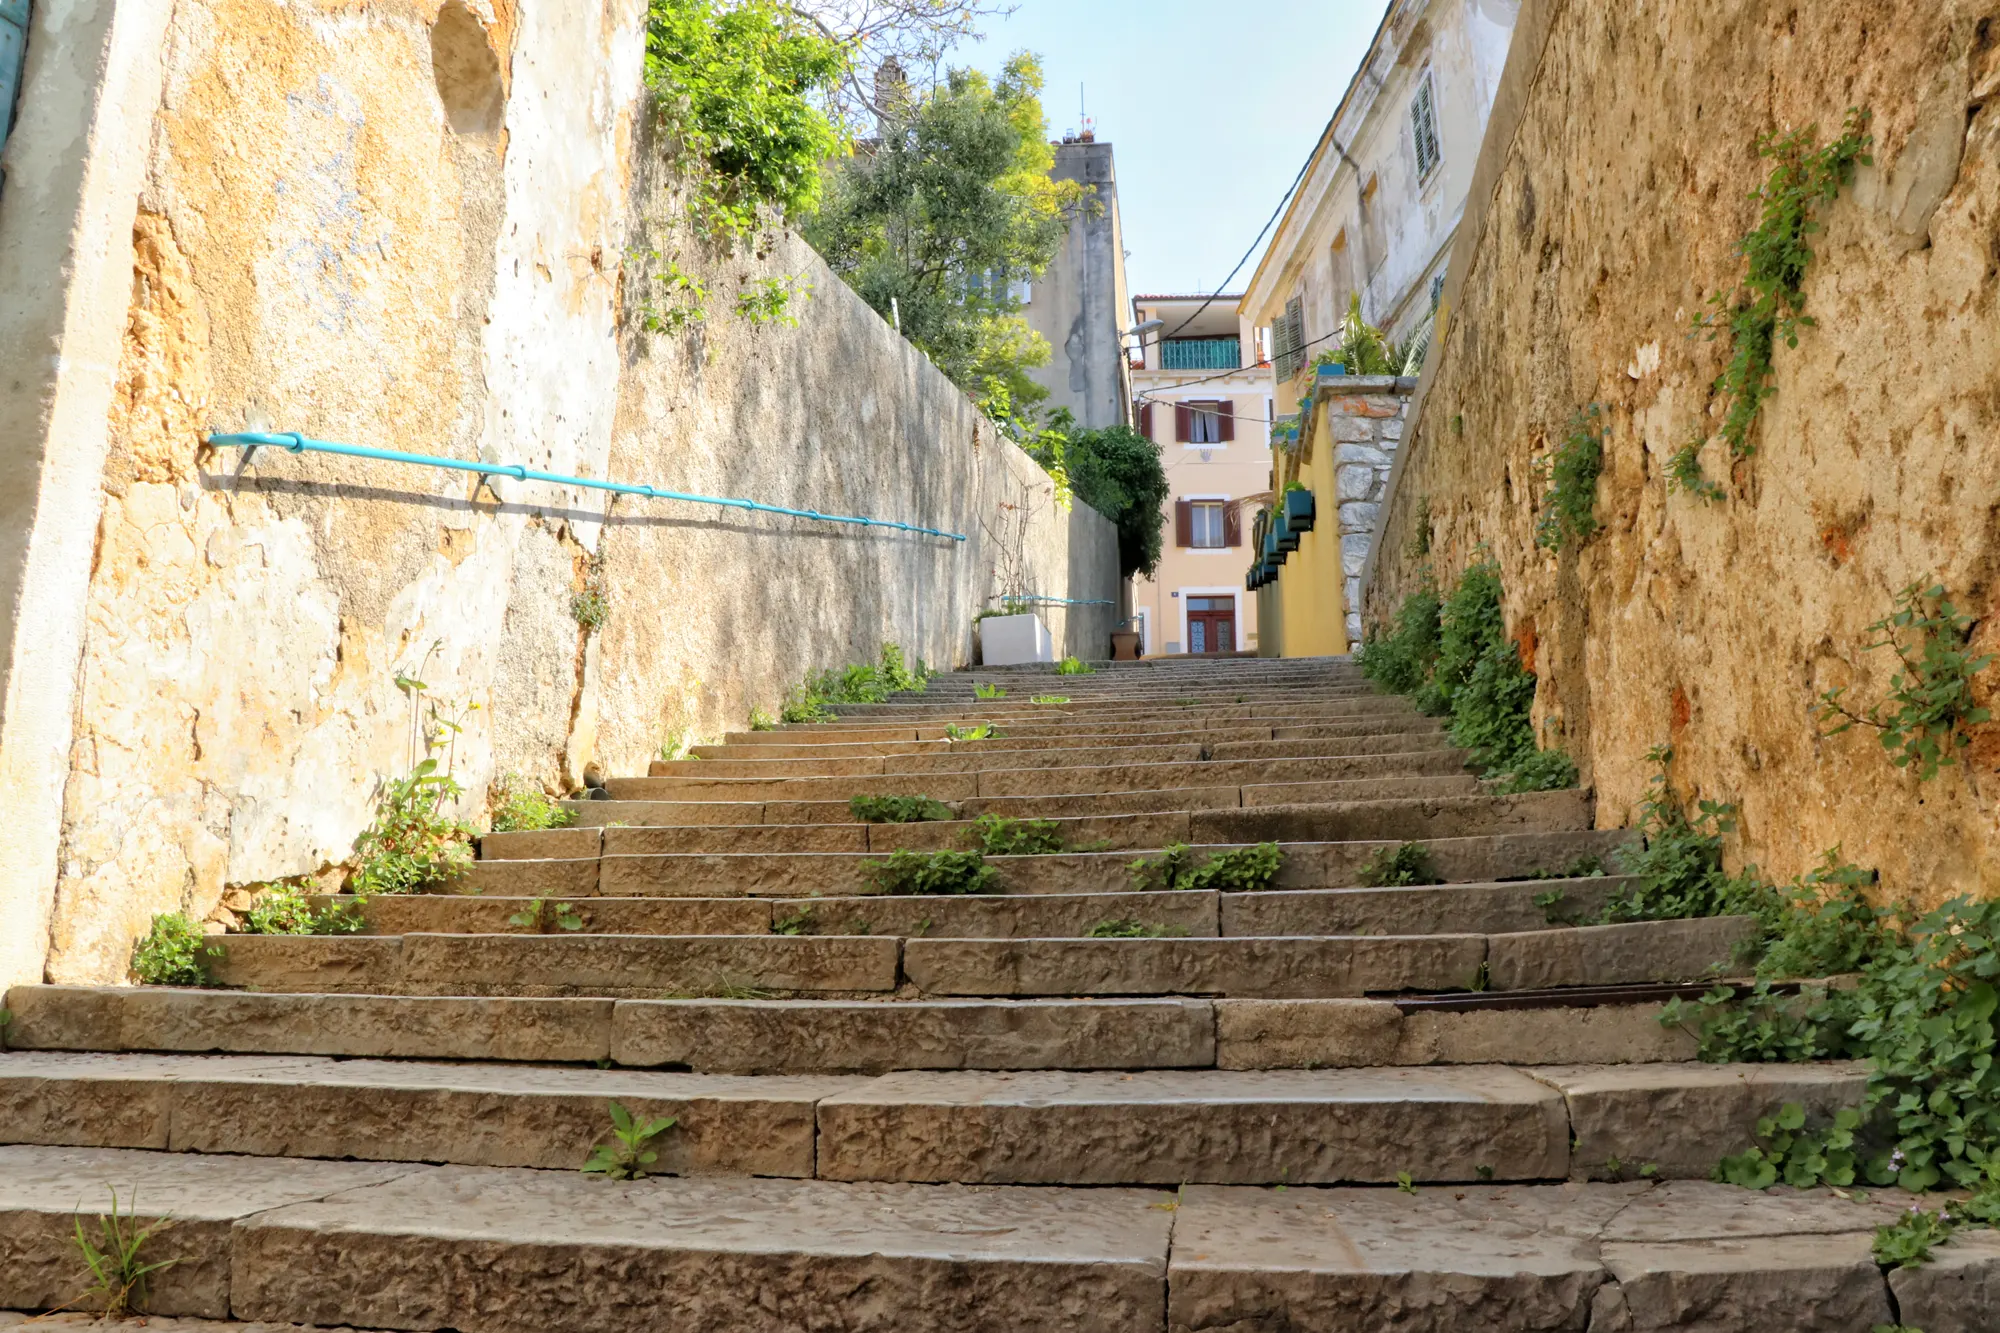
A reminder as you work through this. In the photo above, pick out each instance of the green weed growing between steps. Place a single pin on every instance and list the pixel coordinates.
(173, 953)
(1243, 870)
(413, 846)
(519, 806)
(1127, 928)
(814, 699)
(1453, 655)
(911, 874)
(284, 909)
(116, 1261)
(899, 809)
(1400, 867)
(629, 1155)
(1001, 836)
(1074, 666)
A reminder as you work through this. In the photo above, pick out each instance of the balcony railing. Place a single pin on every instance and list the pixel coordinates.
(1201, 354)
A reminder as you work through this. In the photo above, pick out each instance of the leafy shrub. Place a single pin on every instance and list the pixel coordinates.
(983, 732)
(413, 846)
(1119, 473)
(1679, 858)
(284, 909)
(1001, 836)
(1932, 700)
(523, 807)
(1572, 468)
(899, 809)
(1129, 929)
(908, 874)
(737, 86)
(173, 953)
(590, 608)
(1401, 660)
(1401, 867)
(544, 917)
(813, 699)
(1244, 870)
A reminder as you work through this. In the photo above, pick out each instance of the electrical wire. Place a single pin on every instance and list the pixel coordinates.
(1276, 213)
(1188, 384)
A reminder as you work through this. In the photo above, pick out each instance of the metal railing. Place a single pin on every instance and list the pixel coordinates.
(1201, 354)
(292, 442)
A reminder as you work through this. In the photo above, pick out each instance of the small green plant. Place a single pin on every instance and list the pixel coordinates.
(284, 909)
(1679, 860)
(1927, 716)
(1400, 867)
(899, 809)
(115, 1262)
(675, 301)
(1048, 699)
(628, 1156)
(1907, 1242)
(1684, 473)
(989, 691)
(1769, 306)
(1553, 910)
(545, 917)
(805, 921)
(679, 744)
(983, 732)
(1243, 870)
(1401, 660)
(907, 873)
(762, 721)
(1406, 1182)
(1126, 928)
(769, 300)
(1801, 1157)
(1001, 836)
(413, 846)
(1483, 1172)
(590, 608)
(1571, 469)
(522, 807)
(1073, 666)
(172, 953)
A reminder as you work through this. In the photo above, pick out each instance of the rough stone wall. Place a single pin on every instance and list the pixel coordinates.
(1613, 187)
(1366, 427)
(430, 228)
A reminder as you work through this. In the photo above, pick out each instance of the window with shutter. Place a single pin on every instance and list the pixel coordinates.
(1205, 525)
(1204, 423)
(1225, 417)
(1183, 524)
(1424, 127)
(1145, 415)
(1184, 422)
(1288, 339)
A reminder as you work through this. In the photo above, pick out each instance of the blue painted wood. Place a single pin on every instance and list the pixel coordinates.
(13, 51)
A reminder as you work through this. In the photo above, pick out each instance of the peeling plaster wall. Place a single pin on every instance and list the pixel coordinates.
(424, 227)
(1612, 189)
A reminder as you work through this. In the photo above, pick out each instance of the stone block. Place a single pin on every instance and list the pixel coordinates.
(1353, 483)
(541, 844)
(327, 963)
(1958, 1291)
(735, 839)
(1308, 1034)
(1239, 967)
(1424, 910)
(552, 1252)
(114, 1018)
(1357, 516)
(627, 965)
(1774, 1284)
(1638, 951)
(468, 915)
(1684, 1118)
(1361, 455)
(1005, 916)
(1058, 1127)
(1441, 1261)
(44, 1192)
(1397, 820)
(779, 1036)
(530, 878)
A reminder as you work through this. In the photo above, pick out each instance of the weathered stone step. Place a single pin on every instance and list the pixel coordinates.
(1114, 831)
(1305, 865)
(981, 756)
(650, 966)
(1167, 731)
(1332, 1126)
(500, 1250)
(693, 783)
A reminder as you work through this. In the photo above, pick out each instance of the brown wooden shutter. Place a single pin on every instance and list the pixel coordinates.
(1146, 419)
(1183, 523)
(1226, 415)
(1183, 423)
(1232, 525)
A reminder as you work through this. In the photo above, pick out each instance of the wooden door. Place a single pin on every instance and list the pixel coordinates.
(1211, 624)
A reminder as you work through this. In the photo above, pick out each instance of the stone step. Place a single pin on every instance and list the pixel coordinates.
(515, 1250)
(1482, 908)
(979, 756)
(652, 966)
(1305, 865)
(693, 782)
(1155, 1127)
(931, 739)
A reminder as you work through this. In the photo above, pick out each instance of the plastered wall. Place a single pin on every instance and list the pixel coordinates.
(435, 229)
(1613, 188)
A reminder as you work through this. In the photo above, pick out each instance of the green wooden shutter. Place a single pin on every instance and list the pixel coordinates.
(13, 50)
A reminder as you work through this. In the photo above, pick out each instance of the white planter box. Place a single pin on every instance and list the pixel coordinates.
(1009, 640)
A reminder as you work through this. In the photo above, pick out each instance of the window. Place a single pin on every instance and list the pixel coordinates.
(1207, 525)
(1204, 424)
(1205, 421)
(1424, 128)
(1288, 339)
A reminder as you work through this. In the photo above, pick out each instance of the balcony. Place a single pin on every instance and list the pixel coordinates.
(1201, 354)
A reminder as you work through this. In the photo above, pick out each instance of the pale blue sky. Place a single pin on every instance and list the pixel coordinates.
(1211, 107)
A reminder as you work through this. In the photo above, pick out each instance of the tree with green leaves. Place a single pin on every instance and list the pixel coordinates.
(1116, 471)
(934, 221)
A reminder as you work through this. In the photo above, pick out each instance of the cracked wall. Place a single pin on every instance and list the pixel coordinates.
(1599, 236)
(422, 226)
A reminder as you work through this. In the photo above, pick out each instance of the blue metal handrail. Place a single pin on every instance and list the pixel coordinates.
(1052, 601)
(292, 442)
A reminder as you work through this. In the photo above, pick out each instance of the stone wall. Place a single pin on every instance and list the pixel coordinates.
(1366, 427)
(436, 229)
(1613, 187)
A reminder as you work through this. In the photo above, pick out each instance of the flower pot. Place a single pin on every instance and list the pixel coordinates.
(1124, 645)
(1299, 512)
(1010, 640)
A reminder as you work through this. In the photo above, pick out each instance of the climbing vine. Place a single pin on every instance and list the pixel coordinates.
(1768, 307)
(1572, 469)
(1925, 720)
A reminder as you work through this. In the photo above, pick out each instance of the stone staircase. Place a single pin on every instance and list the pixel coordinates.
(1312, 1106)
